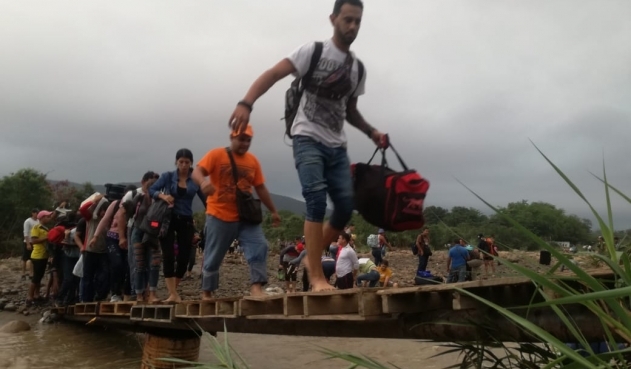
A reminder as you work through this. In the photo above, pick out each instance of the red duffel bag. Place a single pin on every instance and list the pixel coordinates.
(388, 199)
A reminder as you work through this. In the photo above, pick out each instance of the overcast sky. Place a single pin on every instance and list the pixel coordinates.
(102, 91)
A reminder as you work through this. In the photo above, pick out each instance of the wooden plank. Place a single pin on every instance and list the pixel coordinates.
(248, 307)
(331, 304)
(293, 305)
(106, 308)
(207, 308)
(337, 317)
(416, 302)
(450, 286)
(193, 309)
(369, 303)
(136, 312)
(123, 308)
(87, 308)
(462, 302)
(180, 310)
(226, 308)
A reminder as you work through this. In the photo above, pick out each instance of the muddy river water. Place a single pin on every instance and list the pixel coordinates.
(66, 345)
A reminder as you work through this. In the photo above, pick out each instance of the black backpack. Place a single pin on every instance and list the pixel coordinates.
(300, 84)
(158, 219)
(114, 191)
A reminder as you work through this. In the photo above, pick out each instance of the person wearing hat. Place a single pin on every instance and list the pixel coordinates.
(39, 255)
(216, 178)
(29, 223)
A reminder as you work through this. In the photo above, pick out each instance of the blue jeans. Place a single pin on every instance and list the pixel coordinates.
(147, 259)
(131, 263)
(372, 277)
(119, 269)
(378, 255)
(458, 274)
(219, 236)
(322, 170)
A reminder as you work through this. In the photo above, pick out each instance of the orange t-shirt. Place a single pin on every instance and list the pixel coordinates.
(223, 203)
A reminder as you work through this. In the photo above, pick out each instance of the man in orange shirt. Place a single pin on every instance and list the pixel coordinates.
(222, 216)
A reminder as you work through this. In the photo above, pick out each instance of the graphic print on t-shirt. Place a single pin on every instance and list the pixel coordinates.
(226, 192)
(325, 99)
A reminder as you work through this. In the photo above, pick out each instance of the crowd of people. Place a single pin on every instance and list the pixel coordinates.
(341, 266)
(110, 250)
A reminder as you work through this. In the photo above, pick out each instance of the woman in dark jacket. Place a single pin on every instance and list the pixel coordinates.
(178, 189)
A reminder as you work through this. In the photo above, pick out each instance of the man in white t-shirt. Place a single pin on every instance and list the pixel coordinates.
(347, 263)
(319, 140)
(28, 247)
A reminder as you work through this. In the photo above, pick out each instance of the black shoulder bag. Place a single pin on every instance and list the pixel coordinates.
(249, 208)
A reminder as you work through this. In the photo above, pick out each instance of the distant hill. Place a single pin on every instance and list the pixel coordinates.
(281, 202)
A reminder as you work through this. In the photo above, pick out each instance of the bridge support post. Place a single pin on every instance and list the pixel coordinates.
(159, 346)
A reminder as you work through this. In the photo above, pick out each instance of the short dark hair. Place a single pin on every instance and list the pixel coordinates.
(346, 236)
(385, 263)
(339, 3)
(149, 175)
(457, 241)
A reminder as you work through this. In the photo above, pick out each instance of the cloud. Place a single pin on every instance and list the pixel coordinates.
(103, 91)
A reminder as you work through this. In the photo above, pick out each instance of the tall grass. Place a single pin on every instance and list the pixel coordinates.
(608, 300)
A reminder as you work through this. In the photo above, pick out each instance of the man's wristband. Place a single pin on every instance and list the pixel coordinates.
(246, 104)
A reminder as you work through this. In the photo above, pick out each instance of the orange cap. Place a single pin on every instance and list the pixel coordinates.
(248, 131)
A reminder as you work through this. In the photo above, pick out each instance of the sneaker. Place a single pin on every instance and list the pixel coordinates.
(116, 298)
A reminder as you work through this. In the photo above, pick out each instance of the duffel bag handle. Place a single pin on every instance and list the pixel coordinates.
(384, 162)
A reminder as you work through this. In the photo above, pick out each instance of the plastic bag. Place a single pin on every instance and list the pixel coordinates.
(78, 268)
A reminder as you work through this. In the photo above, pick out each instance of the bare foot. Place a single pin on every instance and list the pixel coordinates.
(173, 298)
(207, 296)
(153, 298)
(256, 290)
(321, 285)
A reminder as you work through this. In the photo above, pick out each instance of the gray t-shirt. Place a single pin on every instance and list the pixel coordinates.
(322, 108)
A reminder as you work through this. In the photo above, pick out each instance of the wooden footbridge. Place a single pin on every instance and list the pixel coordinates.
(421, 312)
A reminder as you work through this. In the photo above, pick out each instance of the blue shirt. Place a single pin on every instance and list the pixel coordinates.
(458, 255)
(183, 205)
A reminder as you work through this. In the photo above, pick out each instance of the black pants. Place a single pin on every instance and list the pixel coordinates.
(70, 286)
(39, 269)
(119, 268)
(96, 276)
(191, 258)
(422, 263)
(183, 226)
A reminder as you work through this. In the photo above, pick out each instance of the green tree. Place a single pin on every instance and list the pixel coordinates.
(434, 214)
(461, 215)
(21, 191)
(82, 193)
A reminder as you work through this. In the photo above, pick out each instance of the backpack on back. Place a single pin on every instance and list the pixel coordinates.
(388, 199)
(373, 240)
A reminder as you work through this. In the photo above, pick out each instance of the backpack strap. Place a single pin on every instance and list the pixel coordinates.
(315, 58)
(360, 74)
(235, 175)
